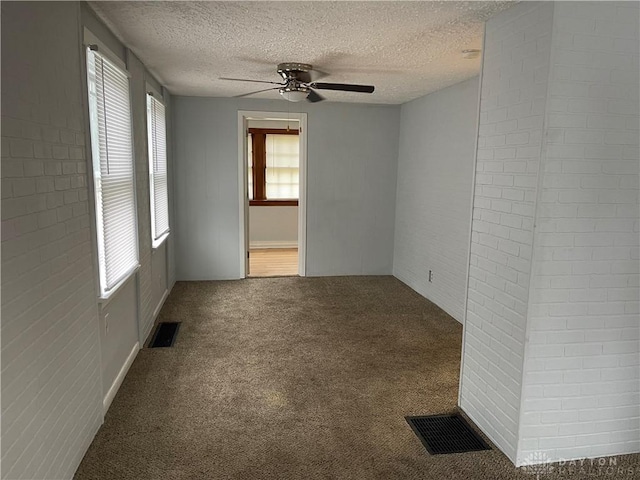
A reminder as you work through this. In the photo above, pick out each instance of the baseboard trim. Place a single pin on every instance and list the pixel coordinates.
(273, 244)
(154, 315)
(108, 398)
(156, 312)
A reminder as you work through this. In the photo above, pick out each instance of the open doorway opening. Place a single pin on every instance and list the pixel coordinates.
(273, 187)
(273, 193)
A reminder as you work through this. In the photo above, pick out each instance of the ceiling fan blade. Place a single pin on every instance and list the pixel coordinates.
(257, 91)
(247, 80)
(314, 97)
(345, 87)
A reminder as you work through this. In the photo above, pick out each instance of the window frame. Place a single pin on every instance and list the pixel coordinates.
(259, 164)
(92, 45)
(153, 95)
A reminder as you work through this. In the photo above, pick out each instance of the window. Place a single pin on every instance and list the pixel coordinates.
(274, 166)
(113, 171)
(158, 184)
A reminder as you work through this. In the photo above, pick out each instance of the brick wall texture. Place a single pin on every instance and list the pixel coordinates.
(551, 359)
(51, 388)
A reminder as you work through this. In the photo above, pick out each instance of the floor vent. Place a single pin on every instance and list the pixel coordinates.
(446, 434)
(165, 335)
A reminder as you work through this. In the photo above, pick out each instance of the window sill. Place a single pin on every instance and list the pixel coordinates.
(273, 203)
(155, 244)
(104, 299)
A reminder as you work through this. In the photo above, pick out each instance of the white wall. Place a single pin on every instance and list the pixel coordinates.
(582, 372)
(170, 243)
(51, 382)
(118, 337)
(54, 333)
(153, 280)
(282, 124)
(120, 332)
(433, 200)
(551, 348)
(352, 157)
(513, 95)
(273, 227)
(139, 300)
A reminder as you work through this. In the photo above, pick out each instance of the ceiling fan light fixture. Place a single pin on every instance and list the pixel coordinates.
(294, 94)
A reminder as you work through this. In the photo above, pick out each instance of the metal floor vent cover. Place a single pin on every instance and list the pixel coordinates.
(165, 335)
(446, 434)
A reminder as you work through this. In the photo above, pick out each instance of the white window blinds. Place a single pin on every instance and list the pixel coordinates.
(283, 164)
(158, 182)
(113, 171)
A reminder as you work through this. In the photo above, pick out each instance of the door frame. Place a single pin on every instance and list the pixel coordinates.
(243, 117)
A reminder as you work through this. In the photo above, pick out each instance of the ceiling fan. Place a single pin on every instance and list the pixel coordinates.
(299, 83)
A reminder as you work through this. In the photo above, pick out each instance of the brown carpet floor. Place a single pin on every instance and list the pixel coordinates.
(292, 378)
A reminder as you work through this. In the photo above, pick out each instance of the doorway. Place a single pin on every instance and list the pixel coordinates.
(272, 156)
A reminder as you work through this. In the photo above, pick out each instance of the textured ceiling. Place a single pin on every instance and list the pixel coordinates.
(405, 49)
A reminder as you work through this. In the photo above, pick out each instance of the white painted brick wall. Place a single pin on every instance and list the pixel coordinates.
(582, 367)
(52, 376)
(513, 93)
(51, 389)
(435, 176)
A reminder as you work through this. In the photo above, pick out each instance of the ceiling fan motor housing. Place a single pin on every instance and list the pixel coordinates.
(298, 72)
(296, 75)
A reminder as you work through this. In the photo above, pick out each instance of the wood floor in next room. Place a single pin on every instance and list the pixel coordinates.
(273, 262)
(290, 379)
